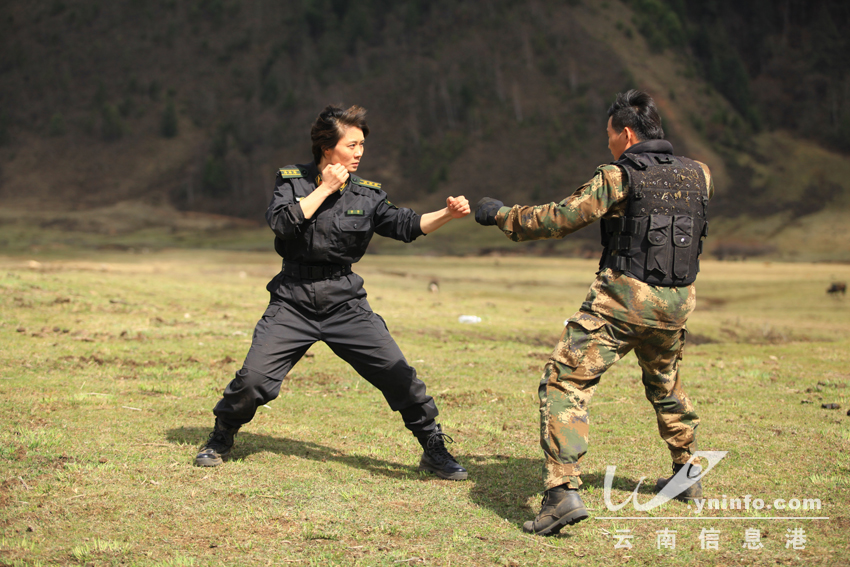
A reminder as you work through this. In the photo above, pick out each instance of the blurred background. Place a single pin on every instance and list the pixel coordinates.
(143, 124)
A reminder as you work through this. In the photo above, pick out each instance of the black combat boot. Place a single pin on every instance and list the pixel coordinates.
(218, 447)
(682, 487)
(561, 507)
(436, 458)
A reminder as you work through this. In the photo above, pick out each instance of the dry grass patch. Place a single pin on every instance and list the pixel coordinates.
(107, 395)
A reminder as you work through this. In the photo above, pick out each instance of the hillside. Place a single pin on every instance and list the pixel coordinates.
(193, 106)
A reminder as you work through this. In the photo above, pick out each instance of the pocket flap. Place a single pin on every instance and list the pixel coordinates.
(354, 224)
(587, 321)
(683, 232)
(659, 229)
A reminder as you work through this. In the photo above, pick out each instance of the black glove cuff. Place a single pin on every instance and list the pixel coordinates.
(486, 211)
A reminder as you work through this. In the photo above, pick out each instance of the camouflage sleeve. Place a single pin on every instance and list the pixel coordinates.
(709, 180)
(556, 220)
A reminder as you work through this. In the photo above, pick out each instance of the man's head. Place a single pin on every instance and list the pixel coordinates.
(632, 118)
(332, 124)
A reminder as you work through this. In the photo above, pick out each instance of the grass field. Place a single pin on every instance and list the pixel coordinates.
(111, 362)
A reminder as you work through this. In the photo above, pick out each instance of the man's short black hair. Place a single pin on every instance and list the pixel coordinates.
(637, 110)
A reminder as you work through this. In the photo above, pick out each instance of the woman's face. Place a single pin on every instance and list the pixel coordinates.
(348, 150)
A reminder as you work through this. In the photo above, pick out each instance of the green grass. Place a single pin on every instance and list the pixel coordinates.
(111, 362)
(140, 229)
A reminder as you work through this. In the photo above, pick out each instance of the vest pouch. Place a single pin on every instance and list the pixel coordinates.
(683, 229)
(658, 253)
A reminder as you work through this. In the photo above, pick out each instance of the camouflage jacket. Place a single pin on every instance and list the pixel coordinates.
(612, 295)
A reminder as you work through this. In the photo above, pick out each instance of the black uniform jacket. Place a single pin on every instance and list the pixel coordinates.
(339, 231)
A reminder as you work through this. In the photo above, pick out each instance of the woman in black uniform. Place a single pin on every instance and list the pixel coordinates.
(323, 217)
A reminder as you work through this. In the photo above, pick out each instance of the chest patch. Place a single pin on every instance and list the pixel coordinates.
(354, 213)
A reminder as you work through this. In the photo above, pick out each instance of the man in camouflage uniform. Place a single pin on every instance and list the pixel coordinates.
(652, 206)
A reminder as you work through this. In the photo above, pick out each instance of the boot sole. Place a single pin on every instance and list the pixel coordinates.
(570, 519)
(453, 476)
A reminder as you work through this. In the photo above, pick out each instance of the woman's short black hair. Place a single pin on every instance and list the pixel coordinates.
(637, 110)
(331, 124)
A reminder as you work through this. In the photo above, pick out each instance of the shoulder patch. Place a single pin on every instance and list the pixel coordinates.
(365, 183)
(290, 171)
(370, 184)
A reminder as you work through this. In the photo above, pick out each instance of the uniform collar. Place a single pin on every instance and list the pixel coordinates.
(650, 147)
(314, 173)
(319, 182)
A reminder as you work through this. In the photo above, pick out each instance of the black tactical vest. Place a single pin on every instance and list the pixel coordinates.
(659, 239)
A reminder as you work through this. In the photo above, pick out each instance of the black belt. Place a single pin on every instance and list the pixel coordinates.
(315, 272)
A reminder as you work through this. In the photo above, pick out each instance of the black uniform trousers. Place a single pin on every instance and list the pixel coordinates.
(302, 312)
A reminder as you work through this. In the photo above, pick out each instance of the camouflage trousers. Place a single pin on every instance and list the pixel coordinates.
(589, 346)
